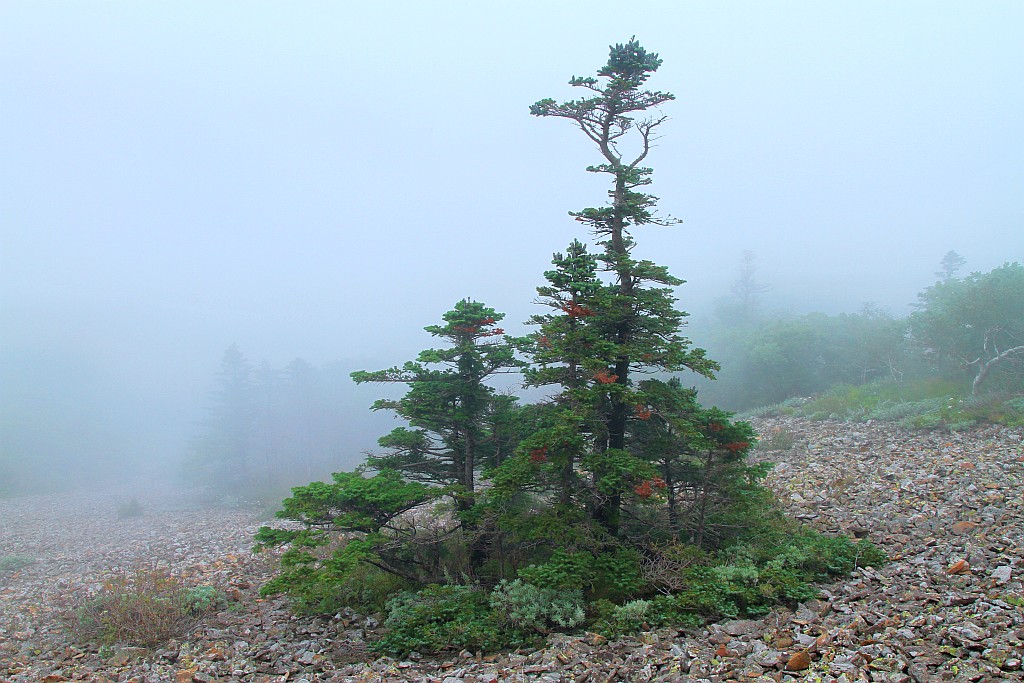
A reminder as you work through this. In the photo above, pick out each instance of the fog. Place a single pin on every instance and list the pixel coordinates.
(321, 180)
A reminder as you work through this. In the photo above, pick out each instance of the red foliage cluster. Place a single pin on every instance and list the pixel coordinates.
(715, 427)
(475, 329)
(544, 341)
(603, 377)
(539, 455)
(645, 489)
(642, 412)
(737, 446)
(575, 310)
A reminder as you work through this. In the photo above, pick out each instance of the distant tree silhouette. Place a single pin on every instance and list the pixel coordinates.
(221, 454)
(950, 265)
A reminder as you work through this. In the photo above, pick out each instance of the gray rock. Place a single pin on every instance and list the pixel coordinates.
(967, 634)
(1002, 574)
(767, 658)
(740, 627)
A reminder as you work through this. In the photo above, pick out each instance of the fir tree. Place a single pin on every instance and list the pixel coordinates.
(633, 318)
(448, 404)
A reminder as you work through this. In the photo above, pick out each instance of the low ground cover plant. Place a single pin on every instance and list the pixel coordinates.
(927, 404)
(15, 561)
(741, 581)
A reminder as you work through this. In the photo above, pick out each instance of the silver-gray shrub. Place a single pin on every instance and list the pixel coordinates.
(524, 605)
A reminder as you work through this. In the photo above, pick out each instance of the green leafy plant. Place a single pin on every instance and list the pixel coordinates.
(563, 570)
(204, 598)
(629, 617)
(444, 618)
(527, 607)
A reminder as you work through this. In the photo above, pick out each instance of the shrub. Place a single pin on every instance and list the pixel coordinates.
(563, 570)
(367, 589)
(322, 575)
(204, 599)
(663, 567)
(630, 617)
(439, 618)
(15, 561)
(641, 615)
(130, 508)
(1010, 413)
(146, 608)
(926, 404)
(778, 439)
(528, 607)
(613, 573)
(618, 574)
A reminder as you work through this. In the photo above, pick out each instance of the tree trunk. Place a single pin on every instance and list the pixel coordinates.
(673, 511)
(608, 510)
(986, 367)
(702, 509)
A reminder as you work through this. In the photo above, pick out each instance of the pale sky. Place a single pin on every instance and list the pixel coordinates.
(323, 179)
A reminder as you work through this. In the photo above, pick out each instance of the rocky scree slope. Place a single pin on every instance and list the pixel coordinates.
(947, 507)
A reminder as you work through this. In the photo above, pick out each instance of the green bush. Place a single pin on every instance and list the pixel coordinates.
(618, 574)
(458, 617)
(322, 578)
(1010, 413)
(563, 570)
(443, 618)
(367, 589)
(859, 402)
(527, 607)
(630, 617)
(203, 599)
(15, 561)
(744, 580)
(129, 508)
(613, 573)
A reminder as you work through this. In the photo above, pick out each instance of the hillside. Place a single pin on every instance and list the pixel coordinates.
(948, 508)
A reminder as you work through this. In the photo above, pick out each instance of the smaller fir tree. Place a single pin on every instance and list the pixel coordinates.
(448, 406)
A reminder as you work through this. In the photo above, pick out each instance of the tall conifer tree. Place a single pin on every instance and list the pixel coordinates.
(634, 316)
